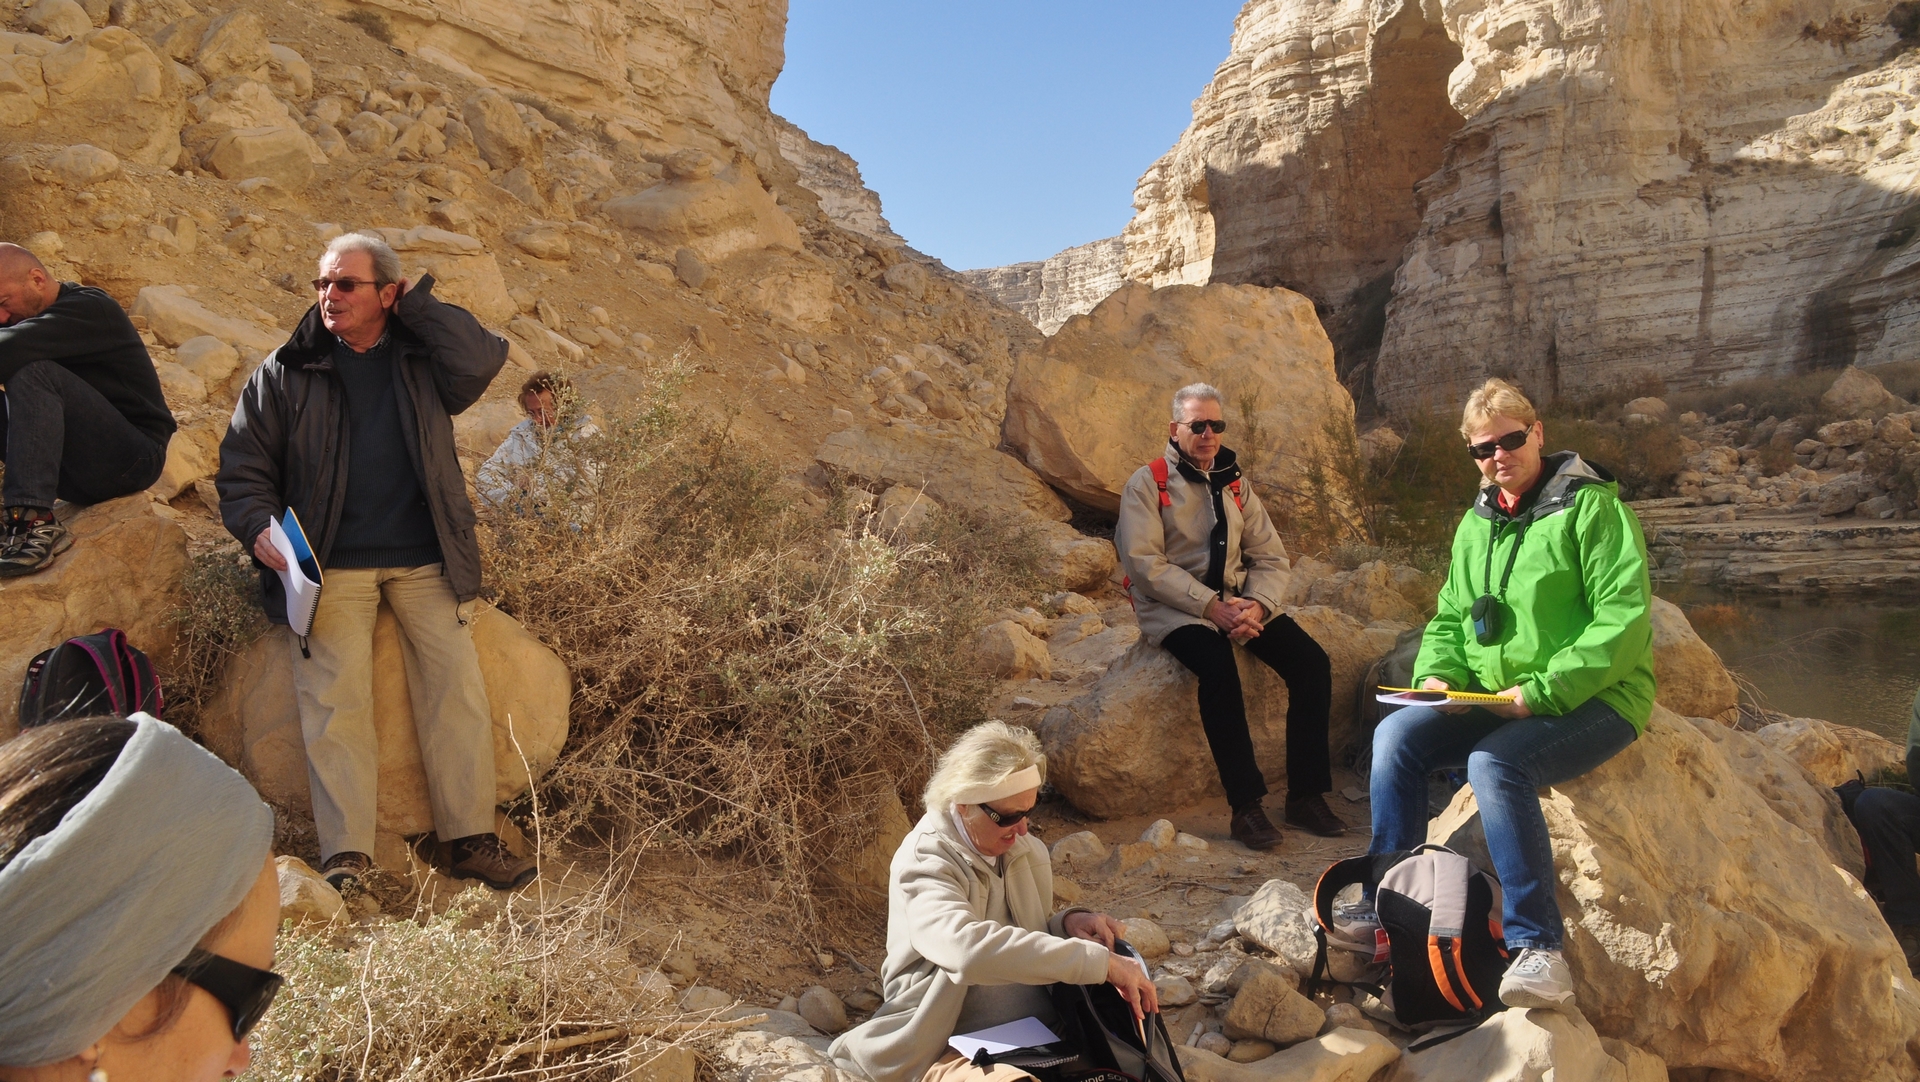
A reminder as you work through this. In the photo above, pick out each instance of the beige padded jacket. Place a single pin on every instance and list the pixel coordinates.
(939, 943)
(1163, 550)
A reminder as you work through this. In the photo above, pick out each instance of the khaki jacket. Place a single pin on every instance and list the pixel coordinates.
(1163, 550)
(939, 943)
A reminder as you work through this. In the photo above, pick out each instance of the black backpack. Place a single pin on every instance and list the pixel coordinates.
(1099, 1040)
(93, 674)
(1440, 919)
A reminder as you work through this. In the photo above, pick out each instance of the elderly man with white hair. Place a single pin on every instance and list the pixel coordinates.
(1206, 571)
(972, 938)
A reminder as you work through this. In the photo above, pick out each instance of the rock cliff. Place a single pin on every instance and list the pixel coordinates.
(1053, 290)
(833, 176)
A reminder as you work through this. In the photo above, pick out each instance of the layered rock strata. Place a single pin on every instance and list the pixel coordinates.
(1053, 290)
(831, 174)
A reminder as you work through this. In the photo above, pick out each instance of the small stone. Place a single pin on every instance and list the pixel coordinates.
(542, 242)
(1071, 604)
(1268, 1007)
(863, 1000)
(305, 897)
(1146, 937)
(788, 1005)
(826, 960)
(1189, 841)
(1082, 847)
(1346, 1015)
(690, 268)
(1219, 934)
(700, 999)
(61, 20)
(1175, 991)
(1250, 1051)
(1183, 950)
(1276, 918)
(1214, 1043)
(842, 416)
(84, 164)
(1354, 793)
(208, 357)
(1160, 835)
(1012, 653)
(1065, 891)
(823, 1010)
(181, 387)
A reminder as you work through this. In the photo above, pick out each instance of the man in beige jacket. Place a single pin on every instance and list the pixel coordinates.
(972, 939)
(1207, 570)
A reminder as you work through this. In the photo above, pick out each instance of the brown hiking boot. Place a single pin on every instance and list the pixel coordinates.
(1253, 829)
(1311, 813)
(486, 858)
(344, 870)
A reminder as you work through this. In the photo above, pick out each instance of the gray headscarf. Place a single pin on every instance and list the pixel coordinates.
(96, 912)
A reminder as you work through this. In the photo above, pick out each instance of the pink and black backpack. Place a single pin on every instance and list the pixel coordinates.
(93, 674)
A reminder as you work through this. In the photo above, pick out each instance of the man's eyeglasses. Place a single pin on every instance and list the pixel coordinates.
(345, 285)
(1004, 819)
(244, 991)
(1197, 427)
(1509, 443)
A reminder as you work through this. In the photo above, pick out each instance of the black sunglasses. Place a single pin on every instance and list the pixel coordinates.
(345, 285)
(1004, 819)
(1197, 427)
(1509, 443)
(244, 991)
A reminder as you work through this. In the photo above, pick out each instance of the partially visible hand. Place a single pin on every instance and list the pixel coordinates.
(1225, 616)
(1518, 710)
(1098, 927)
(1434, 683)
(264, 551)
(1126, 975)
(1252, 619)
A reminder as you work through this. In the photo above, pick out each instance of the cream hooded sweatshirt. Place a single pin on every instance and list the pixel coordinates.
(939, 942)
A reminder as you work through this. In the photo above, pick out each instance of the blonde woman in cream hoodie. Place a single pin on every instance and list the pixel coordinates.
(972, 939)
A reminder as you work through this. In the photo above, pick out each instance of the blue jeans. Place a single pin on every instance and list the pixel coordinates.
(1507, 763)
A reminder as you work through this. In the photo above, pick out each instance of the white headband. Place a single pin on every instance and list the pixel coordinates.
(1017, 782)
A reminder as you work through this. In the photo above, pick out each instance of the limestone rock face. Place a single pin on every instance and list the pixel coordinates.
(1134, 740)
(1690, 678)
(1051, 291)
(1737, 943)
(833, 176)
(1300, 165)
(1092, 406)
(715, 211)
(254, 723)
(1750, 152)
(124, 570)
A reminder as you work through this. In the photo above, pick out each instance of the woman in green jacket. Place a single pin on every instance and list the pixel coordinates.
(1546, 603)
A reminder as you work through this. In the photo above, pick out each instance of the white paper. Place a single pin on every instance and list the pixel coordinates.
(1022, 1033)
(303, 594)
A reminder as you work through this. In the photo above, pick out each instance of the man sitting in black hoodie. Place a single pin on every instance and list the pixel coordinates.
(84, 418)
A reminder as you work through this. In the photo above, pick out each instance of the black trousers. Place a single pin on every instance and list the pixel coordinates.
(1889, 824)
(1289, 651)
(60, 437)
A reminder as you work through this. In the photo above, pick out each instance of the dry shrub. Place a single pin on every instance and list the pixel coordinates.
(1411, 502)
(469, 993)
(221, 618)
(1645, 458)
(1718, 617)
(748, 668)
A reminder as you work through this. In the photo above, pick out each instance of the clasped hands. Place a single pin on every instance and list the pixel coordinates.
(1242, 618)
(1122, 972)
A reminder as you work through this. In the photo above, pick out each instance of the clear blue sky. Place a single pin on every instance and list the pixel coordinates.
(999, 131)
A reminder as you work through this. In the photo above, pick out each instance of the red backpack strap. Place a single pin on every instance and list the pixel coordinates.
(1159, 469)
(1234, 487)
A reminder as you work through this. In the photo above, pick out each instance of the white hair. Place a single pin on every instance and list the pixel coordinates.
(386, 263)
(1196, 392)
(984, 755)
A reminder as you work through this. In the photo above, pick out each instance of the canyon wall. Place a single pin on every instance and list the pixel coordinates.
(1051, 291)
(833, 176)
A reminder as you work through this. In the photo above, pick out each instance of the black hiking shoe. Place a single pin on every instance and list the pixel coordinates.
(1310, 813)
(31, 546)
(344, 870)
(486, 858)
(1251, 827)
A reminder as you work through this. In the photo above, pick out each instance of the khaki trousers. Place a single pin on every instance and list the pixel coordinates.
(450, 713)
(953, 1067)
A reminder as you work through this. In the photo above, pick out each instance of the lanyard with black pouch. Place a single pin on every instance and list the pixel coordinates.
(1486, 607)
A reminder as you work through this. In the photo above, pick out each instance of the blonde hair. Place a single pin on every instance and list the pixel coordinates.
(1495, 398)
(984, 755)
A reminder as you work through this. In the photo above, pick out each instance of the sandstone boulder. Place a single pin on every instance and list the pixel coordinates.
(1092, 406)
(282, 155)
(1738, 943)
(1689, 677)
(60, 20)
(1268, 1007)
(1147, 937)
(81, 165)
(823, 1010)
(176, 316)
(1651, 409)
(1858, 394)
(1133, 741)
(715, 215)
(1831, 753)
(305, 897)
(877, 805)
(109, 84)
(209, 358)
(1278, 917)
(1011, 653)
(124, 570)
(255, 725)
(1073, 561)
(954, 471)
(1530, 1046)
(234, 44)
(1344, 1055)
(504, 139)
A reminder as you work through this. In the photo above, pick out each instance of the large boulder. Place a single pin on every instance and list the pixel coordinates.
(282, 155)
(1530, 1046)
(1833, 754)
(1133, 741)
(715, 211)
(1859, 394)
(124, 570)
(1710, 921)
(176, 317)
(106, 83)
(1689, 677)
(254, 722)
(1092, 405)
(1342, 1055)
(956, 472)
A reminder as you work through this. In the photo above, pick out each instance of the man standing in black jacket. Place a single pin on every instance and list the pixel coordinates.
(84, 418)
(350, 424)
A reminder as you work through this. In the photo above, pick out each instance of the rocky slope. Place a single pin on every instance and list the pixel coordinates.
(1053, 290)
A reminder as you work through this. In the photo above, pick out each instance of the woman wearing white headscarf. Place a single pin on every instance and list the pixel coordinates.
(138, 906)
(972, 939)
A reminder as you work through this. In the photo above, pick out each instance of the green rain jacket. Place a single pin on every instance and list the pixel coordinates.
(1576, 615)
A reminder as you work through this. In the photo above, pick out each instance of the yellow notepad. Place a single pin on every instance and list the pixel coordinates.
(1453, 696)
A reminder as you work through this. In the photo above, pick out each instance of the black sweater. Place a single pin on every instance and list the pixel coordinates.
(85, 331)
(386, 521)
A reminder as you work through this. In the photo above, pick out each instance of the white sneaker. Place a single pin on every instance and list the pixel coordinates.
(1537, 978)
